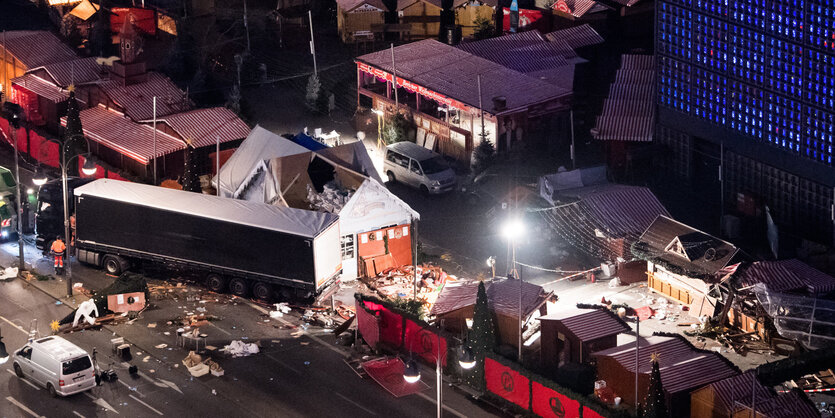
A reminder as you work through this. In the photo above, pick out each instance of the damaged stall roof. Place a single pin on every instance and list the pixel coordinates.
(288, 220)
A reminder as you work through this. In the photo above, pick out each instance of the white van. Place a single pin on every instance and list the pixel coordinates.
(416, 166)
(57, 364)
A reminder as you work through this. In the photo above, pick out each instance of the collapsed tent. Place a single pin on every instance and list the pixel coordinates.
(808, 320)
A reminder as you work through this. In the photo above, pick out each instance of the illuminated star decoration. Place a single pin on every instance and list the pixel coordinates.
(54, 326)
(71, 88)
(654, 357)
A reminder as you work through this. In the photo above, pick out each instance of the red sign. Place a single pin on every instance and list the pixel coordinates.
(562, 6)
(425, 343)
(550, 403)
(414, 88)
(144, 19)
(528, 19)
(507, 383)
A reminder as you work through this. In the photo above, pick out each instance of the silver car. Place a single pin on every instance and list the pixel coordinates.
(416, 166)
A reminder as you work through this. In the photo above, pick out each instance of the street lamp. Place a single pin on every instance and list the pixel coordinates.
(379, 114)
(623, 314)
(40, 178)
(411, 374)
(512, 230)
(466, 358)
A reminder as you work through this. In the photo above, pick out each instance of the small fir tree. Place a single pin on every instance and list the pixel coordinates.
(191, 183)
(483, 28)
(394, 130)
(74, 142)
(655, 405)
(484, 156)
(314, 93)
(234, 102)
(482, 338)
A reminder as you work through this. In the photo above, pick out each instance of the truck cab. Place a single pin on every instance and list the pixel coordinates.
(49, 215)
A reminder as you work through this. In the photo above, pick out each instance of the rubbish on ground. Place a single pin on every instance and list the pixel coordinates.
(163, 345)
(215, 368)
(614, 282)
(9, 273)
(152, 325)
(214, 392)
(241, 349)
(145, 360)
(211, 348)
(58, 302)
(77, 285)
(282, 307)
(192, 359)
(276, 314)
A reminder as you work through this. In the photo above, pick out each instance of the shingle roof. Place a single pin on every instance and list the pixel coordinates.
(737, 388)
(36, 48)
(577, 36)
(204, 126)
(41, 87)
(589, 324)
(629, 111)
(78, 71)
(135, 140)
(653, 242)
(348, 5)
(502, 296)
(682, 366)
(137, 99)
(452, 72)
(618, 211)
(783, 275)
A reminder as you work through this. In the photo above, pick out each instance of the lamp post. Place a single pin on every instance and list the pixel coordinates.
(89, 169)
(512, 230)
(622, 314)
(411, 375)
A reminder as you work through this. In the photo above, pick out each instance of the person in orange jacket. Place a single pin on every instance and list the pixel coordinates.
(58, 249)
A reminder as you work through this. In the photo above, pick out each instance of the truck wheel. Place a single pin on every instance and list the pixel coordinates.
(114, 265)
(51, 390)
(216, 283)
(238, 287)
(391, 177)
(262, 291)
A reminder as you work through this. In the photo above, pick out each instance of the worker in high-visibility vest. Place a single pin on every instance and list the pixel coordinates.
(58, 249)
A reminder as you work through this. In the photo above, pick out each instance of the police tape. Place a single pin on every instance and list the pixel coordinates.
(811, 390)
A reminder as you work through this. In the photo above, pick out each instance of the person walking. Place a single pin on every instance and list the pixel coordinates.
(58, 249)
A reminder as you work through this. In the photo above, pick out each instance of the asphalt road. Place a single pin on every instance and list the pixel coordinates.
(298, 372)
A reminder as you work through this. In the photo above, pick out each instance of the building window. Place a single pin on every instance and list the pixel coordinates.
(347, 242)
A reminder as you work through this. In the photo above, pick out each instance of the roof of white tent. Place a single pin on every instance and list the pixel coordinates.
(301, 222)
(371, 206)
(260, 145)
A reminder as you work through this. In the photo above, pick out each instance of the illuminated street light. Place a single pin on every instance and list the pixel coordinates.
(466, 358)
(411, 374)
(513, 229)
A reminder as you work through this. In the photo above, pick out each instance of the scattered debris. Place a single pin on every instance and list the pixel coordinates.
(241, 349)
(9, 273)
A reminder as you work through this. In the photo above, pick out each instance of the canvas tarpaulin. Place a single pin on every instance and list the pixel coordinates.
(425, 343)
(388, 372)
(550, 403)
(507, 383)
(373, 206)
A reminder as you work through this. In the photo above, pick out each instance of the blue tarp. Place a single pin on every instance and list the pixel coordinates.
(308, 142)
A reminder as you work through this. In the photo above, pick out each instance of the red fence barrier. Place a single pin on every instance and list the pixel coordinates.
(507, 383)
(547, 402)
(425, 343)
(379, 324)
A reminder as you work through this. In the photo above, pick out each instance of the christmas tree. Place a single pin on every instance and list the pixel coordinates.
(655, 405)
(74, 142)
(484, 156)
(482, 338)
(190, 181)
(313, 93)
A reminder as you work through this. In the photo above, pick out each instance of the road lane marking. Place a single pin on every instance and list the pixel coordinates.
(129, 387)
(23, 380)
(23, 407)
(100, 402)
(285, 322)
(355, 404)
(15, 325)
(434, 401)
(221, 329)
(77, 414)
(143, 403)
(284, 364)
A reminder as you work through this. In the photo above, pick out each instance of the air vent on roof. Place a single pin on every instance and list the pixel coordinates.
(499, 103)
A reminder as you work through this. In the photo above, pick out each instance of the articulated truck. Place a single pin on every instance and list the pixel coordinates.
(245, 248)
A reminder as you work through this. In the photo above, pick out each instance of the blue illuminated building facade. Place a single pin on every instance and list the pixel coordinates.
(750, 84)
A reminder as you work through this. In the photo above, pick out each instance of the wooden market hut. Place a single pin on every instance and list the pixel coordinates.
(718, 399)
(424, 17)
(355, 18)
(467, 11)
(572, 335)
(683, 368)
(456, 302)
